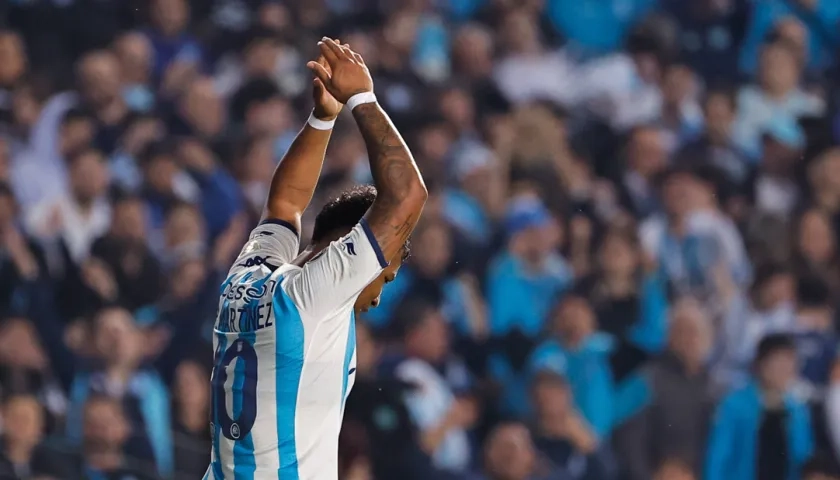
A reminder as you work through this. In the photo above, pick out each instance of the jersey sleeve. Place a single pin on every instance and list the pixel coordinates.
(276, 242)
(336, 276)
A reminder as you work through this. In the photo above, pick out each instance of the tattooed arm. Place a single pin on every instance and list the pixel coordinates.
(401, 192)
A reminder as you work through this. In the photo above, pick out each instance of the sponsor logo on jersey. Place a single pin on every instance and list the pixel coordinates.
(350, 247)
(251, 262)
(247, 292)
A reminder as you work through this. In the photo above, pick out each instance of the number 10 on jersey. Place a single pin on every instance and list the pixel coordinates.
(234, 383)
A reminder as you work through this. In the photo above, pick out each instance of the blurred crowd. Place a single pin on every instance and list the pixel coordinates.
(628, 267)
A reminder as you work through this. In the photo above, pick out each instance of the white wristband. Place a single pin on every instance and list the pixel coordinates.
(319, 124)
(360, 98)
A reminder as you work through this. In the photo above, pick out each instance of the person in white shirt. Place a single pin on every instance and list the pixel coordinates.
(623, 89)
(776, 94)
(443, 417)
(36, 177)
(284, 337)
(81, 216)
(529, 72)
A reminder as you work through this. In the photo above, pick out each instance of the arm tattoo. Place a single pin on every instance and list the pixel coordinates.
(396, 209)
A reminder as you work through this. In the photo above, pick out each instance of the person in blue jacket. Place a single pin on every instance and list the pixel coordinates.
(581, 354)
(761, 431)
(525, 280)
(818, 17)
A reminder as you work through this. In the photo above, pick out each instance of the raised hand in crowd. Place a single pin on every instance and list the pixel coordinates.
(20, 253)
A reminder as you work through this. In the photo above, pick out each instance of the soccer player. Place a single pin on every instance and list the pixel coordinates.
(285, 337)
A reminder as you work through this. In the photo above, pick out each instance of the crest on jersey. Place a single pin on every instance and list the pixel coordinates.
(234, 431)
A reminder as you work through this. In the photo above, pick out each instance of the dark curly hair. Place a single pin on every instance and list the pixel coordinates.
(344, 212)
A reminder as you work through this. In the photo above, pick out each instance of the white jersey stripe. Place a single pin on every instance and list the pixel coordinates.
(349, 351)
(264, 432)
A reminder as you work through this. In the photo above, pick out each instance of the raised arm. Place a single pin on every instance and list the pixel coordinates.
(401, 192)
(295, 178)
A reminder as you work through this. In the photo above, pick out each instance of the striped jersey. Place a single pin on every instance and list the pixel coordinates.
(284, 360)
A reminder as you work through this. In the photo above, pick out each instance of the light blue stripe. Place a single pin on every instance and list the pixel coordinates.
(217, 429)
(348, 356)
(226, 284)
(244, 463)
(288, 329)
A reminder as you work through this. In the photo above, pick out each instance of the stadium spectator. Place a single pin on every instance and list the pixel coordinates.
(106, 432)
(34, 180)
(525, 280)
(622, 89)
(191, 407)
(76, 221)
(818, 16)
(776, 95)
(438, 400)
(816, 342)
(563, 436)
(769, 307)
(782, 141)
(378, 408)
(679, 400)
(578, 351)
(510, 454)
(621, 285)
(646, 159)
(123, 249)
(753, 424)
(715, 145)
(528, 71)
(26, 453)
(681, 115)
(136, 58)
(175, 50)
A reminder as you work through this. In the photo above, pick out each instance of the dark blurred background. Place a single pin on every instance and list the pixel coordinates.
(628, 267)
